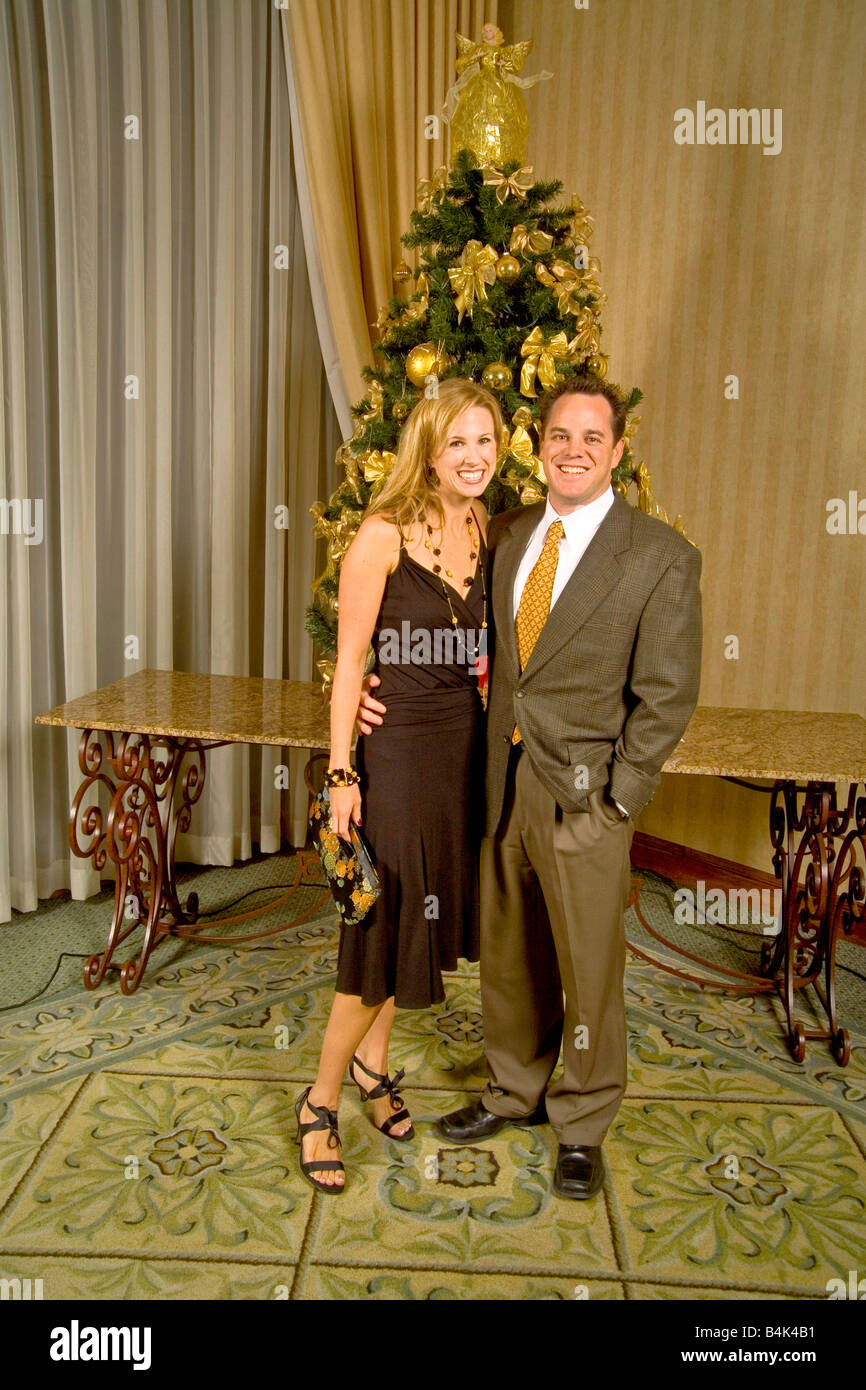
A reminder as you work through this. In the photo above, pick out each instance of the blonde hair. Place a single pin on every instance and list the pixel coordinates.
(407, 495)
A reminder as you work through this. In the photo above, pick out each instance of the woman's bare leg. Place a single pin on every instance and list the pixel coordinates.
(373, 1052)
(349, 1022)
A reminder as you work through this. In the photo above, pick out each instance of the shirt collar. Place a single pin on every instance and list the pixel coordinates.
(582, 519)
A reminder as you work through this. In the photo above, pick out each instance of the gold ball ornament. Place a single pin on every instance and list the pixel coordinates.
(422, 361)
(402, 272)
(507, 269)
(597, 364)
(400, 410)
(497, 376)
(522, 417)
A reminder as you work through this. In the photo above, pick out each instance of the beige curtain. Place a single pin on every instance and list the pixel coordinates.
(367, 73)
(161, 391)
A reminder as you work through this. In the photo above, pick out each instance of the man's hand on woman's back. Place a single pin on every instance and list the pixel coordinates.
(370, 711)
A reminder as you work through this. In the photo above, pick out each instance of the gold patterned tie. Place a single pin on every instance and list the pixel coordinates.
(534, 603)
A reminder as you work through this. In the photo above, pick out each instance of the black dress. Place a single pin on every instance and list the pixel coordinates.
(422, 789)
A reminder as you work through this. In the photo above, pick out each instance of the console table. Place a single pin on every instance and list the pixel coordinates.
(144, 740)
(819, 846)
(138, 733)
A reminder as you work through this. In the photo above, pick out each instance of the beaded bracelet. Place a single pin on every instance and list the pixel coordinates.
(341, 777)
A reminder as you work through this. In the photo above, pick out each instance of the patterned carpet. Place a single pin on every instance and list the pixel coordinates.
(146, 1144)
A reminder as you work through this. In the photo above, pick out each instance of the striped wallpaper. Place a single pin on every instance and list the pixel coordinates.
(720, 260)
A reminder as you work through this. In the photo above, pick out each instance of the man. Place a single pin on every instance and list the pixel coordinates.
(594, 677)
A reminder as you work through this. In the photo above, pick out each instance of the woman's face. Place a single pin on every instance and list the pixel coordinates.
(466, 461)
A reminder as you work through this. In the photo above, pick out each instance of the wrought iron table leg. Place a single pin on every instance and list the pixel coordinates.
(139, 834)
(814, 903)
(142, 774)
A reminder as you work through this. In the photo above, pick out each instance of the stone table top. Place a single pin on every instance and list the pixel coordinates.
(719, 742)
(238, 709)
(779, 744)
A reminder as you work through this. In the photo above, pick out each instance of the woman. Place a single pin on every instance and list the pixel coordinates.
(413, 583)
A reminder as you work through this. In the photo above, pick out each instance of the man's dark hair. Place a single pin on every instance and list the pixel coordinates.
(586, 386)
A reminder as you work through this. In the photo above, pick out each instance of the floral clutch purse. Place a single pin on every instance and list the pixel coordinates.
(348, 864)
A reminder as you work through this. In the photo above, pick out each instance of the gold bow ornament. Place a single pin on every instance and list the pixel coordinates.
(377, 465)
(541, 359)
(474, 273)
(515, 185)
(524, 241)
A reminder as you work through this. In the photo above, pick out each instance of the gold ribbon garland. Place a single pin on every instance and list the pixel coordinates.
(647, 502)
(515, 185)
(580, 232)
(412, 312)
(474, 272)
(541, 359)
(519, 445)
(377, 401)
(417, 309)
(566, 284)
(531, 492)
(376, 396)
(426, 189)
(523, 241)
(586, 340)
(383, 319)
(326, 668)
(339, 533)
(349, 462)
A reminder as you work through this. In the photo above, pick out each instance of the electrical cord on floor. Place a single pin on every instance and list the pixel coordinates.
(738, 931)
(654, 892)
(309, 883)
(64, 955)
(79, 955)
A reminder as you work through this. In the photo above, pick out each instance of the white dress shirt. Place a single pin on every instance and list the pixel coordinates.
(580, 526)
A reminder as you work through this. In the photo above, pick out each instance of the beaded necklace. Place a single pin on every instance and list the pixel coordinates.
(474, 654)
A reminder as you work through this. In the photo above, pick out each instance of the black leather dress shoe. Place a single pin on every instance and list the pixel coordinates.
(473, 1122)
(579, 1170)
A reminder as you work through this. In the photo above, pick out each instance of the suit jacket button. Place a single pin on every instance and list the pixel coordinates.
(518, 694)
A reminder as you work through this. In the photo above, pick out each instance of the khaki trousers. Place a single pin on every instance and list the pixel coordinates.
(554, 887)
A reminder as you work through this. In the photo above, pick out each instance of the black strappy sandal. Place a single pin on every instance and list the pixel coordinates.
(385, 1087)
(325, 1119)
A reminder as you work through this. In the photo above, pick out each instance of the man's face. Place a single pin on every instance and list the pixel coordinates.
(578, 452)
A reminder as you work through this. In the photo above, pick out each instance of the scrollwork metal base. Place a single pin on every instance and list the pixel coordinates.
(151, 796)
(819, 854)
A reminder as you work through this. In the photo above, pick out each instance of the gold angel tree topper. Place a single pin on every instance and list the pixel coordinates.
(486, 108)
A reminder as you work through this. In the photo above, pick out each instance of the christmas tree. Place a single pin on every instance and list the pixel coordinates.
(505, 291)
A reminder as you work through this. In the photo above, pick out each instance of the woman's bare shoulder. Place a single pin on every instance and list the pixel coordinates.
(378, 538)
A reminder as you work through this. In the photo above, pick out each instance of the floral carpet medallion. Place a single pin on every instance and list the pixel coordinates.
(147, 1149)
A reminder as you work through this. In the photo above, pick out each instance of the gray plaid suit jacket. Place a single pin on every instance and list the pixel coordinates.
(613, 679)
